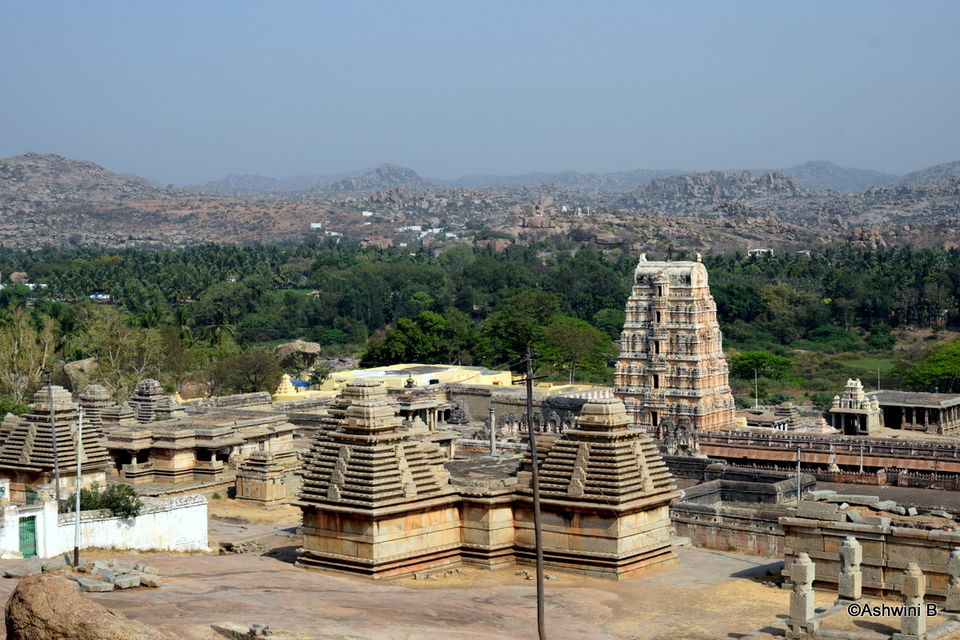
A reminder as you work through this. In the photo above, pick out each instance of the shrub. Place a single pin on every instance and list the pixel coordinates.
(119, 499)
(779, 398)
(822, 400)
(216, 496)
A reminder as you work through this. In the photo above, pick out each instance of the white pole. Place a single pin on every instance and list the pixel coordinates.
(76, 524)
(756, 391)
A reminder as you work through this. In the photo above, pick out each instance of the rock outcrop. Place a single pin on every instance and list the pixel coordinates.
(47, 607)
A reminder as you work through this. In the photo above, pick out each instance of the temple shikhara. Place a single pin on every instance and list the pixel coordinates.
(672, 374)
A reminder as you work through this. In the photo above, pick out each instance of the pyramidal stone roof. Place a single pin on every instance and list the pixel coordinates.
(29, 443)
(369, 461)
(602, 460)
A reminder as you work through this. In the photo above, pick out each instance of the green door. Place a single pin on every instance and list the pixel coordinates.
(28, 536)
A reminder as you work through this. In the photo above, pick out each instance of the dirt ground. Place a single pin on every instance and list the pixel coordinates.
(227, 510)
(710, 595)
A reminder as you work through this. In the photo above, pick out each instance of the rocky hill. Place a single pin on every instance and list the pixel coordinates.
(616, 181)
(821, 175)
(36, 180)
(935, 173)
(694, 192)
(239, 186)
(385, 176)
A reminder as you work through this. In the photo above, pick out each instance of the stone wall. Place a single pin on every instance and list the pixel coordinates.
(887, 550)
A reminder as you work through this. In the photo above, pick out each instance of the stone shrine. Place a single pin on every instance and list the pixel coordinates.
(855, 413)
(260, 480)
(27, 451)
(375, 500)
(605, 496)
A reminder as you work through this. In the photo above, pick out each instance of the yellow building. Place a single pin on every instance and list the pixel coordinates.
(420, 375)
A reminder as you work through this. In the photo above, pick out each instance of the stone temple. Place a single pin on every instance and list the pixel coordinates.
(672, 374)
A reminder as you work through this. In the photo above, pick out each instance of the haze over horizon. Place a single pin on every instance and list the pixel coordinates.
(185, 93)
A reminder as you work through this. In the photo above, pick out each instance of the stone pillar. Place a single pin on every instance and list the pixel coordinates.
(953, 584)
(913, 622)
(850, 583)
(802, 623)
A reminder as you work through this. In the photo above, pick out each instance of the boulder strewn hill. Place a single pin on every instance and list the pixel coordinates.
(936, 173)
(38, 179)
(821, 175)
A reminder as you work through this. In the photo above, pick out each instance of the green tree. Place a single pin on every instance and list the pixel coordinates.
(762, 363)
(25, 351)
(610, 321)
(124, 354)
(938, 370)
(246, 372)
(571, 343)
(521, 322)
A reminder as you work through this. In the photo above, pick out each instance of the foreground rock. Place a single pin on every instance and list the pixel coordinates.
(46, 607)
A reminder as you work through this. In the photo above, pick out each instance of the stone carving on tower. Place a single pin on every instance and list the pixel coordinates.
(671, 355)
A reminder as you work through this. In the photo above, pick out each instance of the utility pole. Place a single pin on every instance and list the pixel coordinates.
(798, 477)
(878, 377)
(53, 433)
(76, 522)
(535, 481)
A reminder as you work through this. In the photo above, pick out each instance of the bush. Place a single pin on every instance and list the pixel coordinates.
(119, 499)
(779, 398)
(216, 496)
(822, 400)
(742, 402)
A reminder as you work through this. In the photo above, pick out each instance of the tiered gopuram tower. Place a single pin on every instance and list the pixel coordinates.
(672, 374)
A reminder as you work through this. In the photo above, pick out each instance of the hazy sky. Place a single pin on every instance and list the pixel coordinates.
(190, 91)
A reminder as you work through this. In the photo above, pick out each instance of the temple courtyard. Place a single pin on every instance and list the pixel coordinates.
(712, 594)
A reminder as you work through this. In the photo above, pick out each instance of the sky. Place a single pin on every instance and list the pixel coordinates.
(186, 92)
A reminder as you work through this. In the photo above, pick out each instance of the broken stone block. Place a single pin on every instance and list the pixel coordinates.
(885, 505)
(911, 511)
(89, 584)
(56, 563)
(856, 517)
(28, 567)
(821, 494)
(126, 581)
(820, 511)
(104, 573)
(940, 513)
(150, 580)
(854, 499)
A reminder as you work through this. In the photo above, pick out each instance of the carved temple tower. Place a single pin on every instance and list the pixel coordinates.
(672, 374)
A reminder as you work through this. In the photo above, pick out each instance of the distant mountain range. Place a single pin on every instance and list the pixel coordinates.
(817, 175)
(50, 199)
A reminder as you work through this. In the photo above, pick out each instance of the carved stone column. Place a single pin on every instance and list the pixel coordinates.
(913, 622)
(850, 583)
(953, 585)
(802, 623)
